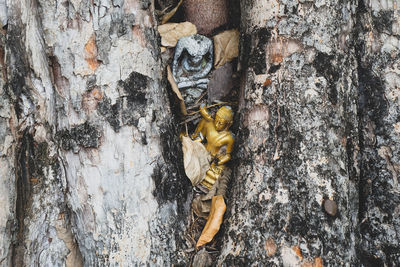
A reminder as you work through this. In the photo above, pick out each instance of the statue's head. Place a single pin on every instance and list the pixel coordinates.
(223, 118)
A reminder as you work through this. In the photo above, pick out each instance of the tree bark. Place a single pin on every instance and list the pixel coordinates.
(379, 79)
(319, 84)
(91, 170)
(91, 137)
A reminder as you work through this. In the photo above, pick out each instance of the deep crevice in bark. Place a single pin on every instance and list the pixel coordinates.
(375, 246)
(24, 161)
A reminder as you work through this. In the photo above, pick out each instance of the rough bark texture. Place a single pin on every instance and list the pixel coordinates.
(318, 119)
(90, 159)
(378, 46)
(83, 92)
(7, 164)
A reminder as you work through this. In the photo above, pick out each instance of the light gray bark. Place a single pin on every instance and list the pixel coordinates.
(84, 80)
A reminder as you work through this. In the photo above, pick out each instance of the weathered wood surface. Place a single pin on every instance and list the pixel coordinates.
(318, 119)
(88, 175)
(90, 160)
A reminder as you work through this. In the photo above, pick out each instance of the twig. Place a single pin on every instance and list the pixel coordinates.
(213, 105)
(190, 119)
(202, 95)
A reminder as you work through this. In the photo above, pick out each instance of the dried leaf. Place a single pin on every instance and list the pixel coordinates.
(221, 83)
(169, 15)
(214, 221)
(175, 88)
(195, 159)
(172, 32)
(201, 207)
(226, 47)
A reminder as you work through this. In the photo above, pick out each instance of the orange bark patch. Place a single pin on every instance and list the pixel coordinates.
(137, 31)
(91, 99)
(298, 252)
(279, 48)
(61, 216)
(318, 262)
(97, 94)
(270, 247)
(267, 82)
(91, 53)
(307, 264)
(34, 180)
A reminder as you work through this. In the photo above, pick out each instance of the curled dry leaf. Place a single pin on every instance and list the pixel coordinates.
(169, 15)
(172, 32)
(195, 159)
(214, 221)
(201, 207)
(175, 88)
(226, 47)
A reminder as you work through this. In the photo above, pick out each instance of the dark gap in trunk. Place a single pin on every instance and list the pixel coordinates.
(24, 162)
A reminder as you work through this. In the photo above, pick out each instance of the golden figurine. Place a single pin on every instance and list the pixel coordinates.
(218, 147)
(219, 140)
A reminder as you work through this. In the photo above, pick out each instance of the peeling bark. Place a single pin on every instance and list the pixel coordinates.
(91, 168)
(85, 81)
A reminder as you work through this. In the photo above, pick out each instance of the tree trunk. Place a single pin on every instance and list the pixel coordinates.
(318, 145)
(87, 130)
(91, 170)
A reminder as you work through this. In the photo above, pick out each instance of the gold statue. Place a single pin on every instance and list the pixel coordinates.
(219, 140)
(219, 143)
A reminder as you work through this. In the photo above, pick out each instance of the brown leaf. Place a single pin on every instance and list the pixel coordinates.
(201, 207)
(226, 47)
(175, 88)
(221, 83)
(195, 159)
(172, 32)
(169, 15)
(214, 221)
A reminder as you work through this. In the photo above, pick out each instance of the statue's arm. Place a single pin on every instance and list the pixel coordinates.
(199, 129)
(204, 113)
(229, 147)
(178, 52)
